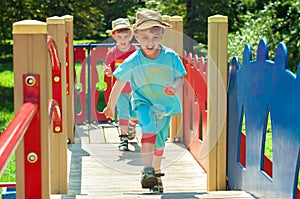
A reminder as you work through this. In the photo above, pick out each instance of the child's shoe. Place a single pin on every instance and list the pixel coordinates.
(131, 131)
(148, 178)
(123, 146)
(158, 188)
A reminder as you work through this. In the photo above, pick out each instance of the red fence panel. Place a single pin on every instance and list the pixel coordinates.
(91, 57)
(195, 106)
(80, 91)
(98, 53)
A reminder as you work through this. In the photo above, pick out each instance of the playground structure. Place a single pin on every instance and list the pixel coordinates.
(204, 119)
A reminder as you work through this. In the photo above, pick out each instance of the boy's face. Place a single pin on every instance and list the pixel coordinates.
(123, 39)
(149, 41)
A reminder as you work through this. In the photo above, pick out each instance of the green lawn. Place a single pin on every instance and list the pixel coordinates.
(7, 112)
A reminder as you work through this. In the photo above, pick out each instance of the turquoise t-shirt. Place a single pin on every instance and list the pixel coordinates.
(148, 79)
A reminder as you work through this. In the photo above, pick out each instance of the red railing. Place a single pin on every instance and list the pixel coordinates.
(56, 79)
(14, 132)
(7, 184)
(54, 113)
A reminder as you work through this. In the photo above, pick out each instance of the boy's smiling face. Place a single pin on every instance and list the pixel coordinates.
(149, 40)
(123, 39)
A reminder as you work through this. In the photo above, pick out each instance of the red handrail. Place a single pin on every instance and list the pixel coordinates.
(14, 132)
(53, 54)
(7, 184)
(54, 112)
(56, 79)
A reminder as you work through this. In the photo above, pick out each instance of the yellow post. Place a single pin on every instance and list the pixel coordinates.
(173, 38)
(30, 57)
(58, 141)
(70, 95)
(217, 101)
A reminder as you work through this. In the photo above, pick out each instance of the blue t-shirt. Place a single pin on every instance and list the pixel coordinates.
(148, 79)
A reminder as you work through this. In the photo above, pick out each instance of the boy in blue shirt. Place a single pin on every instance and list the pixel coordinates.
(156, 74)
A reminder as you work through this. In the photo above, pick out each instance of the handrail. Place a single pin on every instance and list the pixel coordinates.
(56, 65)
(56, 79)
(12, 135)
(54, 112)
(8, 184)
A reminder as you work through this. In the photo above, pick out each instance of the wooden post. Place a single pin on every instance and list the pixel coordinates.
(30, 57)
(70, 95)
(173, 38)
(58, 141)
(217, 102)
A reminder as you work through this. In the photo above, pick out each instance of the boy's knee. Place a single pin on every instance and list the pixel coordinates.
(158, 152)
(148, 138)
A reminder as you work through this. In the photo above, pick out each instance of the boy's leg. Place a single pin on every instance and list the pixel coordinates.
(123, 125)
(157, 157)
(148, 176)
(161, 138)
(132, 121)
(147, 124)
(123, 115)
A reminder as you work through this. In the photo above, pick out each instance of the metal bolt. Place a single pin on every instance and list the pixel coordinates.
(57, 128)
(30, 81)
(56, 79)
(32, 157)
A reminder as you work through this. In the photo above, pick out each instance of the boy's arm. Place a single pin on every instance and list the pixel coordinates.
(172, 89)
(109, 110)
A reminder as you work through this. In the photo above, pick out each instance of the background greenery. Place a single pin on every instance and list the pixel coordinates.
(248, 21)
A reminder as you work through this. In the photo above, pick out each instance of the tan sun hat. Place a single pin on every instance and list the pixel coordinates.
(149, 18)
(120, 23)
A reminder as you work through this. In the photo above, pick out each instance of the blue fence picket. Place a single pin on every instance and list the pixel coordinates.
(257, 89)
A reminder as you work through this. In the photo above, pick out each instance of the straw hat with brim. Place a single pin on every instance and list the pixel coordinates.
(118, 24)
(147, 19)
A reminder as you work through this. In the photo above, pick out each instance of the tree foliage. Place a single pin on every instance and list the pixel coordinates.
(248, 20)
(276, 22)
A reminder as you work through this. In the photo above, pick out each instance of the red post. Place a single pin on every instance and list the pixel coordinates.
(56, 79)
(32, 150)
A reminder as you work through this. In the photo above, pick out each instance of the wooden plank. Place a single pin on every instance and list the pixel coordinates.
(102, 171)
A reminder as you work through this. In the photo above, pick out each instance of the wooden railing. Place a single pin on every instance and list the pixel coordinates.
(36, 106)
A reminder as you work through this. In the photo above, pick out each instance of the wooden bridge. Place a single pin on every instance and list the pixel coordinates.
(99, 170)
(92, 166)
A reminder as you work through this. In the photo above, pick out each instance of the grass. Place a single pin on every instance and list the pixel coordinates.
(7, 112)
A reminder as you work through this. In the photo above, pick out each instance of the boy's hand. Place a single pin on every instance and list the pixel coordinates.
(170, 90)
(108, 112)
(107, 70)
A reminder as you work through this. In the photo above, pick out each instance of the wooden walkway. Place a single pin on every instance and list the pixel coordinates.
(99, 170)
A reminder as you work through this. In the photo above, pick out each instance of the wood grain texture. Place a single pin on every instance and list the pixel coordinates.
(99, 170)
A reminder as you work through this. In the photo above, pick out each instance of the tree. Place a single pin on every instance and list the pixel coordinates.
(276, 22)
